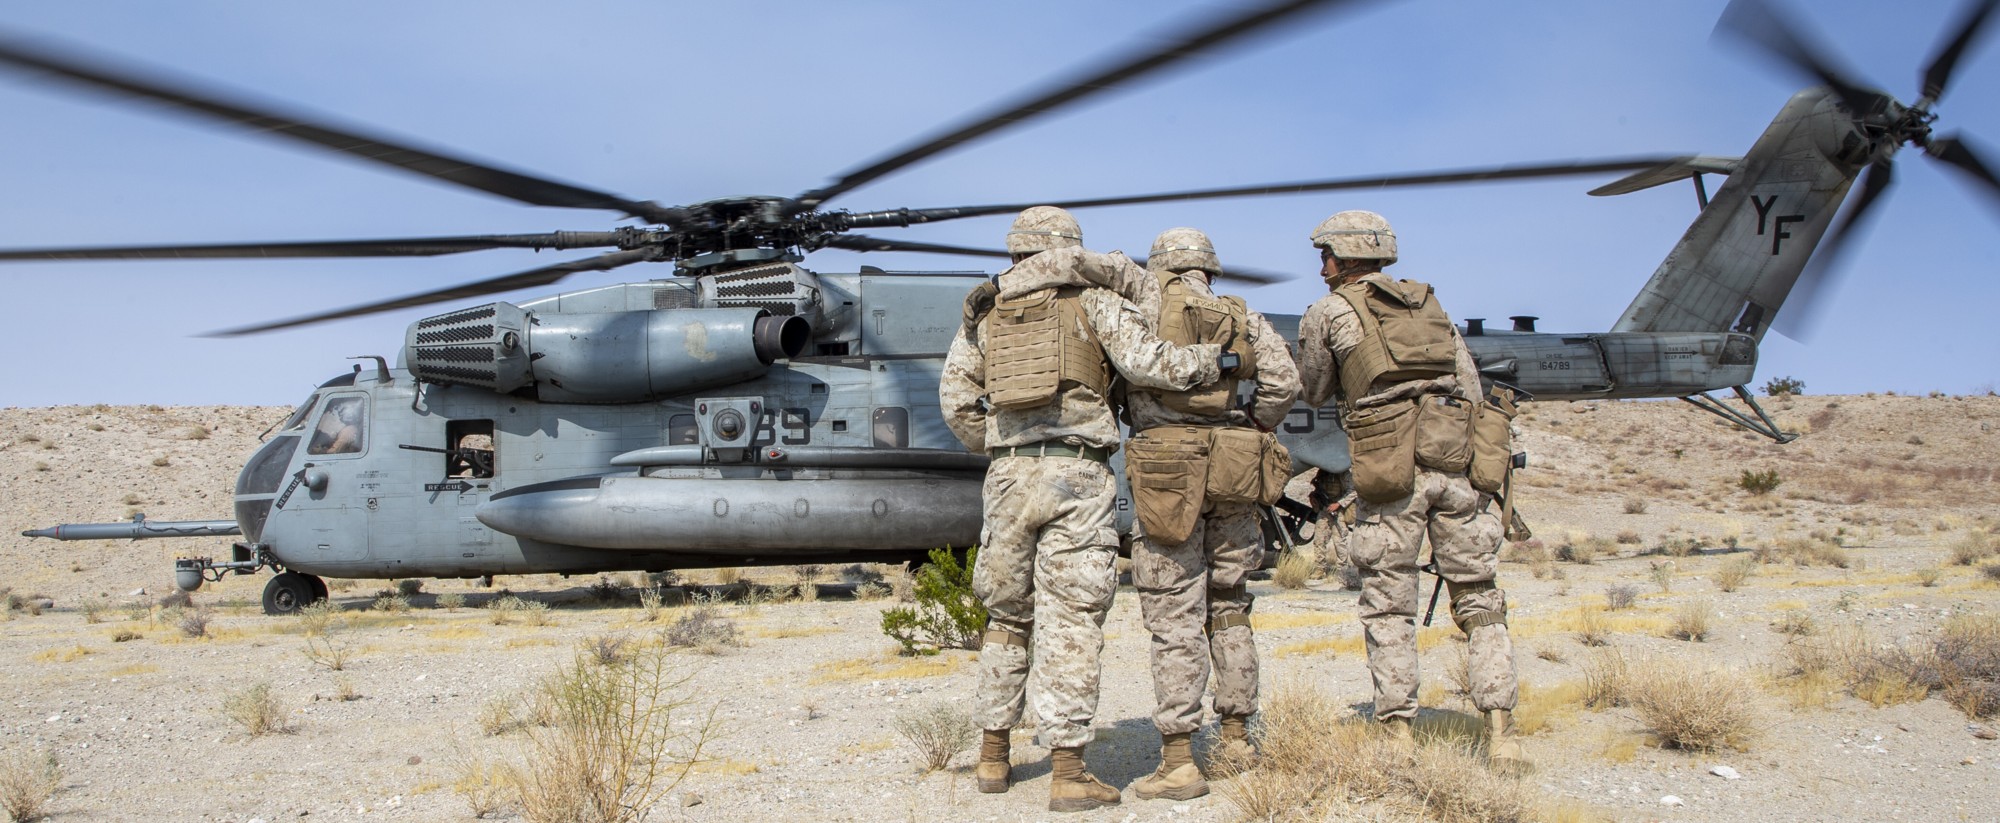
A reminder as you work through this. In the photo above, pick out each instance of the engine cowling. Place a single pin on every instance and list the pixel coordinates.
(599, 357)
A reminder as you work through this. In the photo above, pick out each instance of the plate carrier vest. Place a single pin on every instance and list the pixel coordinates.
(1405, 335)
(1187, 318)
(1039, 344)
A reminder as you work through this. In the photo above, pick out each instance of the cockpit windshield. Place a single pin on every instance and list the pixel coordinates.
(298, 419)
(341, 427)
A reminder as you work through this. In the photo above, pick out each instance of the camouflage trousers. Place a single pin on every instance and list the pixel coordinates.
(1465, 538)
(1198, 610)
(1045, 572)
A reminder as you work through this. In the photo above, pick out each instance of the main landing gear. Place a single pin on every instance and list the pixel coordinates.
(288, 592)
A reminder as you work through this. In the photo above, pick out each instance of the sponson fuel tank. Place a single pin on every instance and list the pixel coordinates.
(754, 511)
(599, 357)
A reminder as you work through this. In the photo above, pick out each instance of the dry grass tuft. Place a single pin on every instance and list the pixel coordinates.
(1807, 551)
(1693, 621)
(1635, 505)
(1591, 627)
(1731, 575)
(1294, 569)
(256, 709)
(1688, 708)
(1317, 760)
(702, 629)
(939, 732)
(1620, 597)
(1606, 679)
(1962, 664)
(27, 780)
(1973, 547)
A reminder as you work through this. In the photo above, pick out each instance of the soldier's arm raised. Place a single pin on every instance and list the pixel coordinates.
(1141, 356)
(1131, 280)
(961, 388)
(1277, 376)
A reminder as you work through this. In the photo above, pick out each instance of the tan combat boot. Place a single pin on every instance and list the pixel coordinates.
(1233, 747)
(1503, 751)
(1071, 789)
(1178, 778)
(995, 770)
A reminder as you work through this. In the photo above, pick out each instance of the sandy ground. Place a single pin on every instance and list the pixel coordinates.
(807, 702)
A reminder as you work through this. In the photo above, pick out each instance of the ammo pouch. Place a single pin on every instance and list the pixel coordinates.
(1168, 467)
(1492, 442)
(1383, 440)
(1246, 466)
(1444, 432)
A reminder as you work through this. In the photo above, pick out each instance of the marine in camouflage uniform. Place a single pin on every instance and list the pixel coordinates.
(1463, 528)
(1192, 592)
(1045, 566)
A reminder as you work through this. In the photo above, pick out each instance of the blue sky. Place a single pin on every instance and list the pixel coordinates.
(681, 102)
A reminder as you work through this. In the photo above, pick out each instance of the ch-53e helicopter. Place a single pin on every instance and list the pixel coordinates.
(751, 411)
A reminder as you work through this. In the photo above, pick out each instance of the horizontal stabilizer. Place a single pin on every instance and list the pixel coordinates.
(1676, 170)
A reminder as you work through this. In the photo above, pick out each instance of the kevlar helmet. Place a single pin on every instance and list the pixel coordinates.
(1357, 235)
(1042, 228)
(1183, 249)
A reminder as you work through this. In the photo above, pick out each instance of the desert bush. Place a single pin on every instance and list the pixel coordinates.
(1991, 571)
(1972, 547)
(1784, 386)
(1662, 575)
(728, 576)
(1731, 575)
(317, 618)
(1693, 621)
(1928, 576)
(1809, 551)
(196, 433)
(501, 610)
(650, 604)
(1294, 569)
(28, 778)
(1606, 676)
(1591, 627)
(1629, 537)
(483, 784)
(451, 601)
(607, 649)
(1968, 655)
(1688, 708)
(194, 622)
(946, 614)
(702, 629)
(1620, 597)
(939, 732)
(1577, 548)
(1681, 546)
(805, 579)
(537, 613)
(125, 636)
(605, 592)
(387, 600)
(872, 591)
(618, 740)
(1458, 670)
(330, 648)
(1759, 483)
(410, 587)
(256, 709)
(1794, 623)
(176, 599)
(1635, 505)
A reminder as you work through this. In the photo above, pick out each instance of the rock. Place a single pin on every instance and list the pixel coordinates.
(138, 592)
(1984, 733)
(417, 761)
(690, 800)
(1671, 800)
(1969, 761)
(1725, 773)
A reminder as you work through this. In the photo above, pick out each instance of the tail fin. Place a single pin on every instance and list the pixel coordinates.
(1735, 265)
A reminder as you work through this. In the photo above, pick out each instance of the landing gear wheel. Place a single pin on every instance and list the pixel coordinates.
(320, 591)
(288, 593)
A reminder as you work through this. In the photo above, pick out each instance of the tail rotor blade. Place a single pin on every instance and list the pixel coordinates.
(1953, 149)
(1939, 72)
(1797, 316)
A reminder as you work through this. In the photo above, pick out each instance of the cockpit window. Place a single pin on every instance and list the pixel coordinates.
(298, 419)
(342, 427)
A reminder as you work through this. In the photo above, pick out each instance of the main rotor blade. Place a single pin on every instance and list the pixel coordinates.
(407, 247)
(1756, 23)
(1939, 72)
(520, 280)
(1953, 149)
(1570, 168)
(1202, 37)
(191, 98)
(1796, 317)
(865, 243)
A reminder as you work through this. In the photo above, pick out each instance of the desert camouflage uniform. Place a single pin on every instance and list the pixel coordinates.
(1050, 535)
(1387, 538)
(1188, 588)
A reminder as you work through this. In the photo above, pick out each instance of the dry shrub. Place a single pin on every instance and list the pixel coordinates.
(612, 748)
(1606, 679)
(27, 780)
(702, 629)
(1968, 655)
(1807, 551)
(1693, 621)
(1973, 547)
(1620, 597)
(1991, 571)
(1458, 670)
(805, 580)
(194, 622)
(388, 600)
(1591, 627)
(255, 709)
(410, 588)
(316, 618)
(1688, 708)
(483, 784)
(1929, 575)
(1629, 537)
(497, 717)
(1317, 760)
(607, 649)
(1731, 575)
(1681, 546)
(650, 603)
(451, 601)
(1794, 622)
(939, 732)
(1662, 575)
(1294, 569)
(1635, 505)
